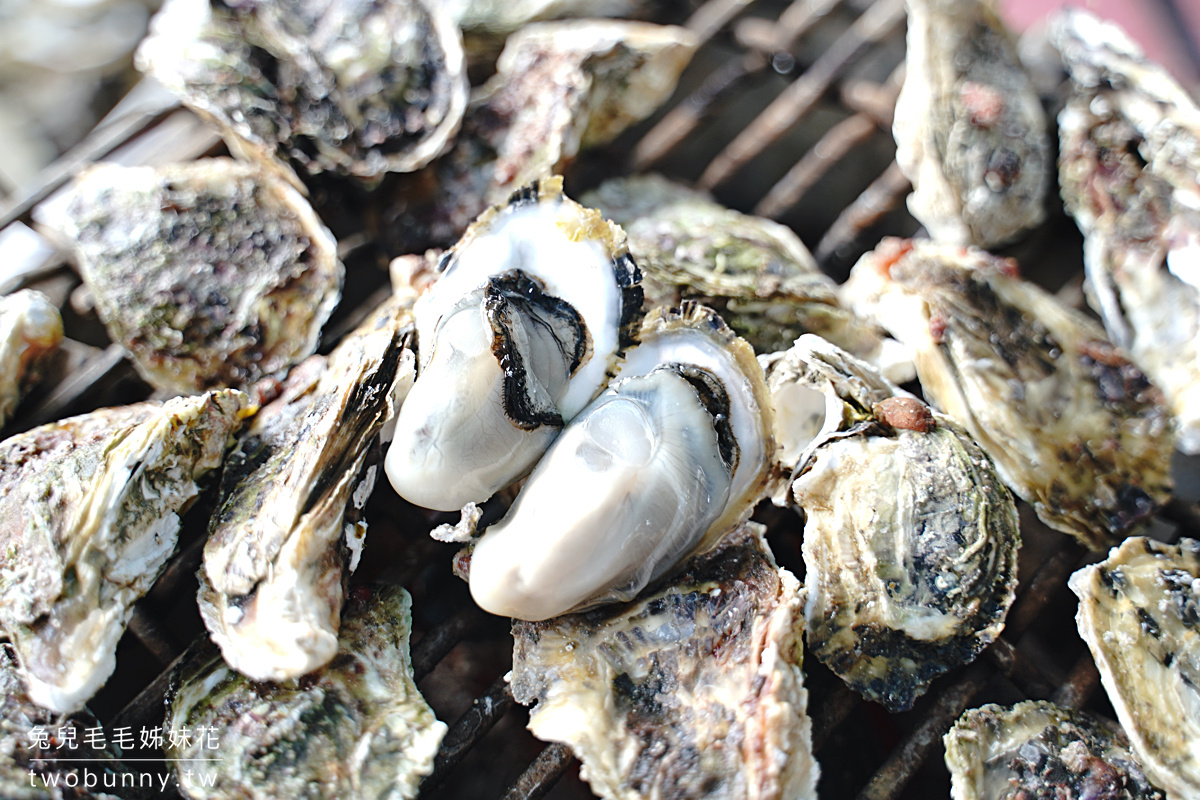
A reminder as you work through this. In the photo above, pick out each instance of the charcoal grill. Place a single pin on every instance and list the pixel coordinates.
(786, 112)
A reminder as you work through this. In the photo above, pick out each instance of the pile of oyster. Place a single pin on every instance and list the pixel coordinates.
(622, 381)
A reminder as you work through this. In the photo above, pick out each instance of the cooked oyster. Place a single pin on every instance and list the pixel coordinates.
(358, 87)
(486, 23)
(289, 524)
(1036, 749)
(756, 273)
(669, 458)
(970, 131)
(357, 727)
(1139, 612)
(1129, 161)
(910, 540)
(89, 515)
(1074, 428)
(30, 329)
(211, 273)
(693, 691)
(533, 307)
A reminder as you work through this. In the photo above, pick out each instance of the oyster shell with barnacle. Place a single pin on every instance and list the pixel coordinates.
(673, 454)
(1037, 749)
(289, 525)
(30, 330)
(359, 87)
(1075, 429)
(211, 273)
(1129, 164)
(695, 690)
(1139, 612)
(910, 539)
(970, 131)
(357, 727)
(89, 515)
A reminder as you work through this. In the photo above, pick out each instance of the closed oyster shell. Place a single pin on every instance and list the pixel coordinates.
(1074, 428)
(211, 273)
(1139, 612)
(1128, 166)
(693, 691)
(1037, 749)
(89, 515)
(356, 728)
(970, 131)
(30, 329)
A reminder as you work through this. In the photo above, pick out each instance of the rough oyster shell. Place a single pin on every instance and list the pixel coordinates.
(1129, 164)
(30, 329)
(1074, 428)
(288, 524)
(693, 691)
(89, 515)
(970, 131)
(1036, 749)
(211, 273)
(359, 87)
(1139, 612)
(910, 539)
(357, 727)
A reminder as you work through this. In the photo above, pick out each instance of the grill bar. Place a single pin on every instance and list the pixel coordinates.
(543, 773)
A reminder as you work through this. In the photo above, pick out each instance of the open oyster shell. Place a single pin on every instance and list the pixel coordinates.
(211, 273)
(89, 515)
(693, 691)
(359, 87)
(1129, 164)
(910, 539)
(1037, 749)
(970, 131)
(30, 329)
(1074, 428)
(356, 728)
(288, 524)
(1139, 612)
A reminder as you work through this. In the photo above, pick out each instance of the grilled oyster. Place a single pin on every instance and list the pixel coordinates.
(1036, 749)
(30, 329)
(1139, 612)
(533, 306)
(693, 691)
(289, 521)
(1074, 428)
(970, 131)
(359, 87)
(1128, 166)
(90, 512)
(673, 454)
(910, 540)
(357, 727)
(211, 273)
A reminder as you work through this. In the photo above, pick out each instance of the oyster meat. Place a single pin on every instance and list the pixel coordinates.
(211, 273)
(356, 728)
(1074, 428)
(522, 329)
(1129, 164)
(30, 330)
(289, 525)
(662, 464)
(89, 515)
(970, 131)
(910, 539)
(693, 691)
(1037, 749)
(1139, 612)
(359, 87)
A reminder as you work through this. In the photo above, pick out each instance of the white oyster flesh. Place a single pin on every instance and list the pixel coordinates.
(89, 515)
(1037, 749)
(30, 329)
(1139, 612)
(696, 690)
(667, 459)
(520, 332)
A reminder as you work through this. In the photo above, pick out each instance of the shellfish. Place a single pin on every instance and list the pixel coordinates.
(30, 330)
